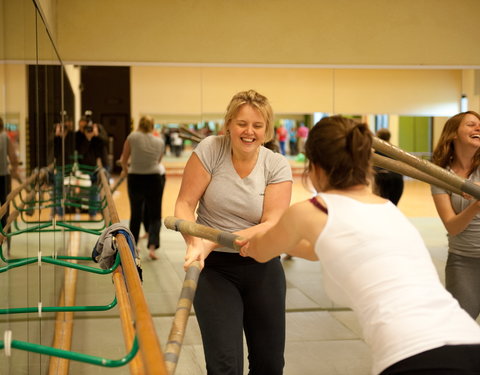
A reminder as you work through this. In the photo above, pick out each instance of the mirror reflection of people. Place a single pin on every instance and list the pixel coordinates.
(374, 260)
(458, 150)
(239, 186)
(90, 147)
(8, 169)
(63, 149)
(145, 181)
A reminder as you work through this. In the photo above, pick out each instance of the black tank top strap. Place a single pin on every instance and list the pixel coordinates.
(317, 204)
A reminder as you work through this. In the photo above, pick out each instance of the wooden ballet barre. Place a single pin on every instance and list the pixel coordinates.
(191, 132)
(126, 318)
(198, 230)
(407, 170)
(11, 196)
(427, 167)
(149, 344)
(190, 138)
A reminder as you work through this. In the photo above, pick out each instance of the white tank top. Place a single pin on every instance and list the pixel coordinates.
(376, 263)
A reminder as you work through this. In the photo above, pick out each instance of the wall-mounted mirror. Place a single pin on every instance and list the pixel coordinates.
(33, 84)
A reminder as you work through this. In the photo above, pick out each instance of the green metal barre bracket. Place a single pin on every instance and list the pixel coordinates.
(23, 310)
(74, 356)
(70, 227)
(51, 260)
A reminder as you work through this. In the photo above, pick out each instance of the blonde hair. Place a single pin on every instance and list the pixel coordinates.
(255, 100)
(145, 124)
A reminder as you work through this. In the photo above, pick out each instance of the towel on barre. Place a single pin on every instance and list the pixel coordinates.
(105, 250)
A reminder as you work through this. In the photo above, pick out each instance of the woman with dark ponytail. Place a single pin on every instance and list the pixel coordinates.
(374, 260)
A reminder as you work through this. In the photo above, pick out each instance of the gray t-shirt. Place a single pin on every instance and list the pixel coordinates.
(231, 203)
(146, 151)
(466, 243)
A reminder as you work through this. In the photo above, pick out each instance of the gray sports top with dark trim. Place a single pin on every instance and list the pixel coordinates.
(231, 203)
(466, 243)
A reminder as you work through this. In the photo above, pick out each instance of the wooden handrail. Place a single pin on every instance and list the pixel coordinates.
(64, 319)
(11, 196)
(126, 318)
(148, 342)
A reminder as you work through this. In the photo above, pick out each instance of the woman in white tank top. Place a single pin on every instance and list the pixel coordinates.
(373, 260)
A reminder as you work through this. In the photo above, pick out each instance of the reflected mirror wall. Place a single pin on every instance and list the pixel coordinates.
(35, 94)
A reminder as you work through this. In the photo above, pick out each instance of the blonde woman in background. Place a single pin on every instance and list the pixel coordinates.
(144, 178)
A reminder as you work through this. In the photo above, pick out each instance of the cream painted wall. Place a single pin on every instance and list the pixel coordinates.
(2, 89)
(360, 32)
(18, 23)
(403, 92)
(49, 11)
(469, 83)
(195, 90)
(295, 91)
(438, 123)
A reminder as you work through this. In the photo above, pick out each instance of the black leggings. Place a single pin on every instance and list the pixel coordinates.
(143, 190)
(5, 188)
(236, 295)
(446, 360)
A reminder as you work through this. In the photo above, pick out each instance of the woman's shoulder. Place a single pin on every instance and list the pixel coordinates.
(273, 158)
(214, 139)
(212, 143)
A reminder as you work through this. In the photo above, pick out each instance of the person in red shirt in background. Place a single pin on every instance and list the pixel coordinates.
(282, 135)
(302, 134)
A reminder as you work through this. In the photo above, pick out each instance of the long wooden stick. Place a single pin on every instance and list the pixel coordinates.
(198, 230)
(407, 170)
(427, 167)
(191, 132)
(184, 306)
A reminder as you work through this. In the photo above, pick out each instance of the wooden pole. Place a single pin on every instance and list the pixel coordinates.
(184, 306)
(187, 227)
(407, 170)
(427, 167)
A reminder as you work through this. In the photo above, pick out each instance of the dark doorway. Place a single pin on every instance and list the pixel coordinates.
(106, 92)
(49, 95)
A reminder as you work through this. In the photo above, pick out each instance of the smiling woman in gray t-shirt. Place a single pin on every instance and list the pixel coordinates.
(458, 150)
(239, 186)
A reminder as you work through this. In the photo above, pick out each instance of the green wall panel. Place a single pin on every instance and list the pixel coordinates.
(415, 133)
